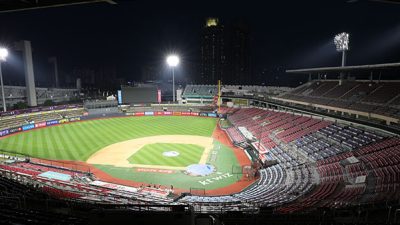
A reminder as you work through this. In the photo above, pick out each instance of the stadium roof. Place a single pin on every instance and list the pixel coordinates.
(346, 68)
(21, 5)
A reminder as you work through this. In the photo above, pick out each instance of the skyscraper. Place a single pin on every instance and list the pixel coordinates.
(212, 52)
(225, 53)
(237, 52)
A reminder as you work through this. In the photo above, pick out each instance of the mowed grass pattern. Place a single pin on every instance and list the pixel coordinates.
(152, 154)
(79, 140)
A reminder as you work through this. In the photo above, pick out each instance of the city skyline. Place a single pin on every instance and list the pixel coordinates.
(126, 37)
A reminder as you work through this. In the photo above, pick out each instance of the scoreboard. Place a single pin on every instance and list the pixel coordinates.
(139, 95)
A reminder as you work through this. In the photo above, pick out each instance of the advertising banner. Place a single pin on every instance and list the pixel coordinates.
(41, 124)
(51, 122)
(139, 114)
(15, 130)
(167, 113)
(4, 133)
(177, 113)
(159, 113)
(119, 97)
(159, 96)
(149, 113)
(212, 114)
(194, 113)
(186, 114)
(74, 119)
(63, 121)
(203, 114)
(28, 127)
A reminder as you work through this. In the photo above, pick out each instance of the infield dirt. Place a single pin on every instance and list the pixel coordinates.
(117, 154)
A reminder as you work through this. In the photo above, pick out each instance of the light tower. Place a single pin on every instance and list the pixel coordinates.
(342, 45)
(173, 61)
(3, 57)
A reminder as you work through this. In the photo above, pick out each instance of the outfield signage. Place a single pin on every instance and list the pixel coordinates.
(41, 124)
(4, 133)
(63, 121)
(15, 130)
(28, 127)
(36, 125)
(51, 122)
(212, 114)
(203, 114)
(73, 119)
(176, 113)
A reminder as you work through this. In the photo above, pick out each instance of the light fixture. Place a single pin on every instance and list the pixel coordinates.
(342, 41)
(173, 60)
(3, 54)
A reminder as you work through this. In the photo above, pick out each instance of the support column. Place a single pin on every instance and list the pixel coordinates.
(29, 75)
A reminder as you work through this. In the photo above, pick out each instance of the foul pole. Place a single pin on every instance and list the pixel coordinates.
(219, 96)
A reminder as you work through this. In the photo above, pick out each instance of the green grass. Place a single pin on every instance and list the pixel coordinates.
(77, 141)
(223, 162)
(152, 154)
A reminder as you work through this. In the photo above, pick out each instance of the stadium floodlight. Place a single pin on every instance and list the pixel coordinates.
(173, 61)
(342, 41)
(3, 57)
(3, 54)
(342, 45)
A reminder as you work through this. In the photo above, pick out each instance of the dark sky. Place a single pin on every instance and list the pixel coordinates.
(285, 34)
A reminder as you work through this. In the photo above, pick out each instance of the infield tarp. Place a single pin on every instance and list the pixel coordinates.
(55, 176)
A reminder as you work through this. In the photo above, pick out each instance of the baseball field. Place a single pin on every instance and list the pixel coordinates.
(148, 150)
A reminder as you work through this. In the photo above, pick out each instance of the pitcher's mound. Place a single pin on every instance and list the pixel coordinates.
(171, 154)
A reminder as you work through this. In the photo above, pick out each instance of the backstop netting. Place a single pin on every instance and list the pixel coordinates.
(247, 171)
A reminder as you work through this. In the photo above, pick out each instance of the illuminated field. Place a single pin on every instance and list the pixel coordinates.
(80, 141)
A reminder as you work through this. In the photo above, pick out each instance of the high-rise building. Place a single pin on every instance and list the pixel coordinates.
(238, 70)
(225, 53)
(212, 52)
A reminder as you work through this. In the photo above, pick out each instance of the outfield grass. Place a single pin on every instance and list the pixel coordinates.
(77, 141)
(152, 154)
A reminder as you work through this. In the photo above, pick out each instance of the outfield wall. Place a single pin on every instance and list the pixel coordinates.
(49, 123)
(31, 126)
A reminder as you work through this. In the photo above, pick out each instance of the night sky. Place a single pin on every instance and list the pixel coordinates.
(284, 34)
